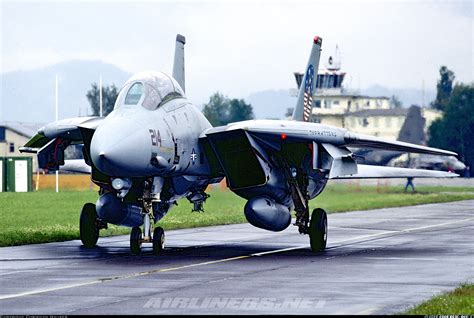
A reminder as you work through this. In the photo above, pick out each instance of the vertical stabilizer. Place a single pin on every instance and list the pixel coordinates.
(178, 66)
(304, 104)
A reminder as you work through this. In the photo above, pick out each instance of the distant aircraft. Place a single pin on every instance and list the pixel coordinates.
(155, 147)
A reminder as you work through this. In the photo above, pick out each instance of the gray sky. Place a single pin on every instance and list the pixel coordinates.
(238, 47)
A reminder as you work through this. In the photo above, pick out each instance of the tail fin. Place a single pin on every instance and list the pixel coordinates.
(304, 104)
(178, 66)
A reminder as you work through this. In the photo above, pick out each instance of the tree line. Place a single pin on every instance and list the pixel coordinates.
(455, 130)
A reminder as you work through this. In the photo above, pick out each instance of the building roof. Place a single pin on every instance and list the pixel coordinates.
(24, 129)
(379, 112)
(319, 93)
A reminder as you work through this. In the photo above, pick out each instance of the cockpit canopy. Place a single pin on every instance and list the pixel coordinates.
(150, 89)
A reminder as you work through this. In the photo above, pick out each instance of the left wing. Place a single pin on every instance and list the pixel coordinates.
(245, 142)
(293, 131)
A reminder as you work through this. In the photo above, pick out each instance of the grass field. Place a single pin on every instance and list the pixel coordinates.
(458, 302)
(46, 216)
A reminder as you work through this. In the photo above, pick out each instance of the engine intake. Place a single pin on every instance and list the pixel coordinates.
(266, 214)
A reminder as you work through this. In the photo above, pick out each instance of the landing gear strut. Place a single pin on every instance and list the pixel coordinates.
(90, 225)
(317, 226)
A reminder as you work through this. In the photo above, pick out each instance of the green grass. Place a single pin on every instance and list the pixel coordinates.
(46, 216)
(458, 302)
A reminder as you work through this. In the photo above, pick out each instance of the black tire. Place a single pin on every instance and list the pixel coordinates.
(88, 229)
(158, 241)
(318, 230)
(136, 241)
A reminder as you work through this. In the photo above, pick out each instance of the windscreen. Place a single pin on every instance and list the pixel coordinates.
(134, 94)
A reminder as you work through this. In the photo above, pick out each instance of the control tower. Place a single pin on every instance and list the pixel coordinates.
(329, 81)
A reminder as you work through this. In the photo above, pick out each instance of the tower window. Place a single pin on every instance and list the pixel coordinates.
(12, 147)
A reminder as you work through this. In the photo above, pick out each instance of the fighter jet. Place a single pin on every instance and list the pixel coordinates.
(156, 147)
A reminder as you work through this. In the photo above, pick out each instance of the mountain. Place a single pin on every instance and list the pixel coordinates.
(271, 104)
(408, 96)
(29, 96)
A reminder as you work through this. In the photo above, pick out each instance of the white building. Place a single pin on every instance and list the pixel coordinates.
(14, 135)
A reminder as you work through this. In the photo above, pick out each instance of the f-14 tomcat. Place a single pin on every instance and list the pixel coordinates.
(156, 147)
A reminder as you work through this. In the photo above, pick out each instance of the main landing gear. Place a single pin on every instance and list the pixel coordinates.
(317, 227)
(137, 237)
(90, 225)
(318, 230)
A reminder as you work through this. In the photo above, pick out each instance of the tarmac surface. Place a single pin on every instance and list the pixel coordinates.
(377, 262)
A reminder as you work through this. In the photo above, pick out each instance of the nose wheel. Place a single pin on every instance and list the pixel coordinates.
(137, 238)
(158, 241)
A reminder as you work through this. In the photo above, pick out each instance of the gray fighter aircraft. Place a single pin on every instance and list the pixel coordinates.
(155, 147)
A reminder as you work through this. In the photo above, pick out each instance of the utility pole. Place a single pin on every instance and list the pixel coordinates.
(422, 93)
(57, 171)
(100, 96)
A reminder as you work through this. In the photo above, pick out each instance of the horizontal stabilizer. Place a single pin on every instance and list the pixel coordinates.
(375, 172)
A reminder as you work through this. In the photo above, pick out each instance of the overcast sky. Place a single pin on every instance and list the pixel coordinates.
(239, 47)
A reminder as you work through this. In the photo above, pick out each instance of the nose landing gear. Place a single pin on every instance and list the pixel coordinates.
(137, 238)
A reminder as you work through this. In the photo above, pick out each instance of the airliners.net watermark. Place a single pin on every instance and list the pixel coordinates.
(240, 303)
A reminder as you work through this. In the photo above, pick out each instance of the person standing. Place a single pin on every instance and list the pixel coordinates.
(410, 184)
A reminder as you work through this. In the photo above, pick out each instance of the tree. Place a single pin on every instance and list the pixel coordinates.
(455, 130)
(395, 102)
(220, 110)
(239, 110)
(109, 96)
(444, 89)
(289, 112)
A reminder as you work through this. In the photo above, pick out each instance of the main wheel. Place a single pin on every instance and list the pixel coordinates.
(88, 229)
(158, 241)
(318, 230)
(135, 240)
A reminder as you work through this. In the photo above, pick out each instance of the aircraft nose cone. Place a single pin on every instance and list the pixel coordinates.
(121, 148)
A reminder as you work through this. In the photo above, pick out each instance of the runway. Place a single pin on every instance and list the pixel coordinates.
(377, 262)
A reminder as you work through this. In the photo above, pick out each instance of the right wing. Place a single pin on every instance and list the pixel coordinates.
(51, 140)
